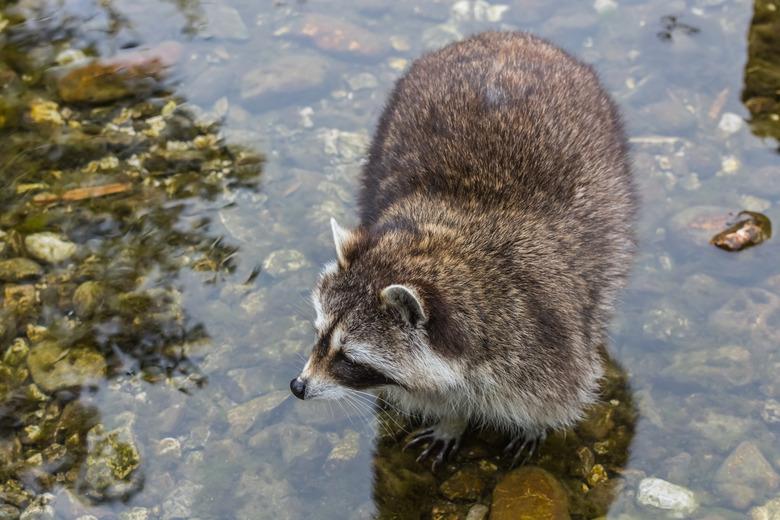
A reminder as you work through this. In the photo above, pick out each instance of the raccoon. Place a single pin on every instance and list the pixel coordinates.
(496, 227)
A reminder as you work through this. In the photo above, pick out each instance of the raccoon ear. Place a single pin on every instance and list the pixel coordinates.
(407, 301)
(340, 238)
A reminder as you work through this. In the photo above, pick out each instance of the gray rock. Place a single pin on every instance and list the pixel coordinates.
(244, 416)
(660, 494)
(750, 313)
(678, 468)
(179, 503)
(110, 471)
(49, 247)
(344, 449)
(295, 442)
(39, 509)
(724, 367)
(223, 21)
(478, 512)
(771, 412)
(169, 447)
(277, 501)
(137, 513)
(17, 269)
(284, 79)
(666, 324)
(723, 431)
(745, 475)
(362, 81)
(769, 511)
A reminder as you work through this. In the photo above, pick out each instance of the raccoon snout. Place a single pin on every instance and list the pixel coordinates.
(298, 387)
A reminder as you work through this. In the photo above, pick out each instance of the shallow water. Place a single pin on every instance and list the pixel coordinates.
(227, 171)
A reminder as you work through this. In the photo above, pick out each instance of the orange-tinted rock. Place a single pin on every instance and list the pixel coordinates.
(125, 74)
(341, 37)
(529, 493)
(750, 230)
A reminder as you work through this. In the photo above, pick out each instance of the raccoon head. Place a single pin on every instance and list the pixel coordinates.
(371, 328)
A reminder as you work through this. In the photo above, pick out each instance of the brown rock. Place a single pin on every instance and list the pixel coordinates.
(338, 36)
(529, 493)
(467, 483)
(746, 475)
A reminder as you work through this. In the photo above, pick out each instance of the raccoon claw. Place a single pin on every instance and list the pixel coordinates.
(442, 441)
(524, 444)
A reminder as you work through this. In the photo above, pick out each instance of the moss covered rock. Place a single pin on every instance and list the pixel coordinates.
(54, 366)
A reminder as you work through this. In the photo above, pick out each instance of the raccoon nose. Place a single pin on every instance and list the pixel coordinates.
(298, 387)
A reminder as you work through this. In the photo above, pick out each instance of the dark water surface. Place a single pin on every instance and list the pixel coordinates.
(168, 173)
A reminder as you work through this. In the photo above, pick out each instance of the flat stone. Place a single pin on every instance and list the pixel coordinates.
(284, 79)
(295, 442)
(660, 494)
(478, 512)
(244, 416)
(529, 493)
(18, 269)
(745, 475)
(729, 366)
(49, 247)
(54, 367)
(338, 36)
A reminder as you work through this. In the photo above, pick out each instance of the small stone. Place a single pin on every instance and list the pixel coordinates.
(70, 56)
(597, 475)
(730, 123)
(244, 416)
(110, 469)
(400, 44)
(339, 36)
(729, 165)
(284, 261)
(54, 367)
(8, 512)
(40, 509)
(348, 146)
(362, 81)
(284, 79)
(745, 475)
(45, 112)
(751, 229)
(49, 247)
(478, 512)
(222, 21)
(398, 64)
(660, 494)
(529, 492)
(18, 269)
(605, 6)
(137, 513)
(478, 11)
(467, 483)
(19, 298)
(771, 412)
(345, 449)
(87, 298)
(769, 511)
(169, 447)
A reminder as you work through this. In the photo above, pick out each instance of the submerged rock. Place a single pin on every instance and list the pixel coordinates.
(110, 470)
(529, 493)
(467, 483)
(660, 494)
(87, 298)
(223, 21)
(284, 79)
(769, 511)
(242, 417)
(39, 509)
(49, 247)
(749, 231)
(54, 367)
(722, 367)
(339, 36)
(746, 475)
(17, 269)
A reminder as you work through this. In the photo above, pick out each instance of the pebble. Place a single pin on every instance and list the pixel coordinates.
(49, 247)
(54, 367)
(660, 494)
(169, 447)
(18, 269)
(769, 511)
(771, 412)
(362, 81)
(529, 492)
(284, 79)
(136, 513)
(745, 475)
(39, 509)
(284, 261)
(730, 123)
(338, 36)
(729, 165)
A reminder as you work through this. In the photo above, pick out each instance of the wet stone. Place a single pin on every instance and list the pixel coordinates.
(179, 503)
(344, 449)
(54, 367)
(294, 441)
(745, 475)
(244, 416)
(467, 483)
(660, 494)
(771, 412)
(750, 313)
(223, 21)
(110, 470)
(529, 492)
(722, 430)
(284, 261)
(769, 511)
(284, 79)
(750, 230)
(722, 367)
(17, 269)
(87, 298)
(49, 247)
(340, 37)
(8, 512)
(478, 512)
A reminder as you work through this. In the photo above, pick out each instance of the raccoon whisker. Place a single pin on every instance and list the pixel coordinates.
(361, 413)
(370, 399)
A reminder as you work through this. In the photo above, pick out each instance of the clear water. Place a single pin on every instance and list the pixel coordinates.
(203, 391)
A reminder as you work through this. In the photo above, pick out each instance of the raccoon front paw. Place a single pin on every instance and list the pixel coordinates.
(442, 439)
(523, 447)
